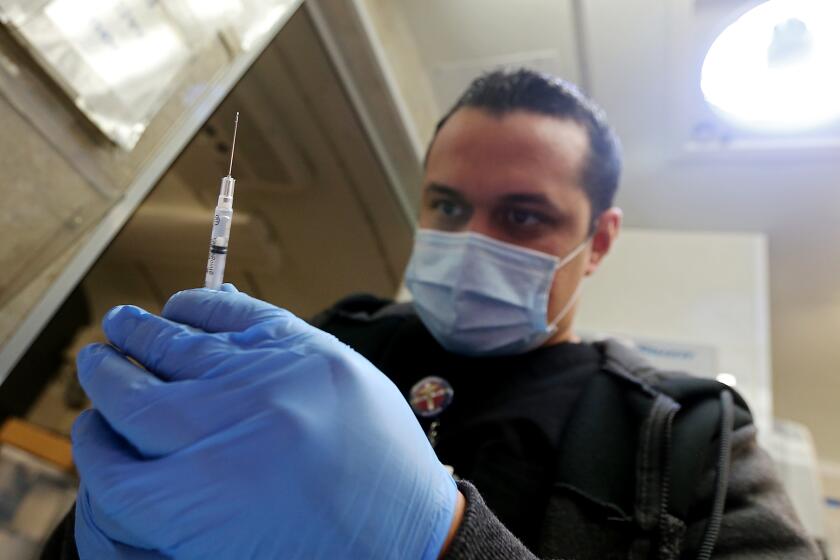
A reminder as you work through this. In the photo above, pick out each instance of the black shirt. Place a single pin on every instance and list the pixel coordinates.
(506, 419)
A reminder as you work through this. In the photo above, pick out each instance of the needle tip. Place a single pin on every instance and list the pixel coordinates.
(233, 146)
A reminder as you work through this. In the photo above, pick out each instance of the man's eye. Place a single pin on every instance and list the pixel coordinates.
(524, 218)
(448, 208)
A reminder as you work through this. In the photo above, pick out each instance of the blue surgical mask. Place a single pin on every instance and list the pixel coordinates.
(482, 297)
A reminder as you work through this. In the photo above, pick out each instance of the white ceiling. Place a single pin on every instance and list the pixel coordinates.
(641, 59)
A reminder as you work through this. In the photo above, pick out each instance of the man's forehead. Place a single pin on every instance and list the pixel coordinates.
(519, 151)
(474, 136)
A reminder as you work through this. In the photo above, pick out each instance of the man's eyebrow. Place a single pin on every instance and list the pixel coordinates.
(536, 199)
(528, 198)
(437, 188)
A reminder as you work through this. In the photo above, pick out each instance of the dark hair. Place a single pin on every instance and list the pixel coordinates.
(502, 91)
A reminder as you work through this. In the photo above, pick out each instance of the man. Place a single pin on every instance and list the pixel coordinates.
(252, 435)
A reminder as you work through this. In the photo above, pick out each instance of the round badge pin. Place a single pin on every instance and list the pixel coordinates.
(430, 396)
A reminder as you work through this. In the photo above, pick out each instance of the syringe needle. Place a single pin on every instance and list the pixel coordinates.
(220, 233)
(233, 146)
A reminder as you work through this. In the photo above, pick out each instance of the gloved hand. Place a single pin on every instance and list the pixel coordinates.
(249, 434)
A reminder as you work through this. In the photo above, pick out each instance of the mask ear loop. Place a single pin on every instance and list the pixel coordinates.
(575, 252)
(568, 307)
(552, 327)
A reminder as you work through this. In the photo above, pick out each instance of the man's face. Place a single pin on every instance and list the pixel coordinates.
(515, 178)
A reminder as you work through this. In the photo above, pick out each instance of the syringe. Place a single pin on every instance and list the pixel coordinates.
(220, 234)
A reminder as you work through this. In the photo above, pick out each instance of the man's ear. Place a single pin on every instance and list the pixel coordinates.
(606, 232)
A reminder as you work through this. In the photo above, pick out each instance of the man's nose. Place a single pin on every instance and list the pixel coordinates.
(480, 222)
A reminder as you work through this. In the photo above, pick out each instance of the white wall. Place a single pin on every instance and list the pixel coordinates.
(701, 289)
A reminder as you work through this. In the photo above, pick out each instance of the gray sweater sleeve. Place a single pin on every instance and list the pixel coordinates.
(481, 535)
(759, 521)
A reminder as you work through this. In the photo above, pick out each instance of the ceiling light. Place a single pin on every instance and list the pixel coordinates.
(775, 68)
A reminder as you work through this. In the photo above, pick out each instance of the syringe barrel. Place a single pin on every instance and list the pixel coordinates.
(219, 238)
(226, 192)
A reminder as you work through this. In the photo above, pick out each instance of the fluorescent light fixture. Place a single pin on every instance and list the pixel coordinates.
(776, 67)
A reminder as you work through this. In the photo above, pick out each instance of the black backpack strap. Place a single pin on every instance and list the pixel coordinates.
(697, 427)
(699, 434)
(727, 421)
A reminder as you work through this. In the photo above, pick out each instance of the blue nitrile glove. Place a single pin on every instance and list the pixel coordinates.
(251, 435)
